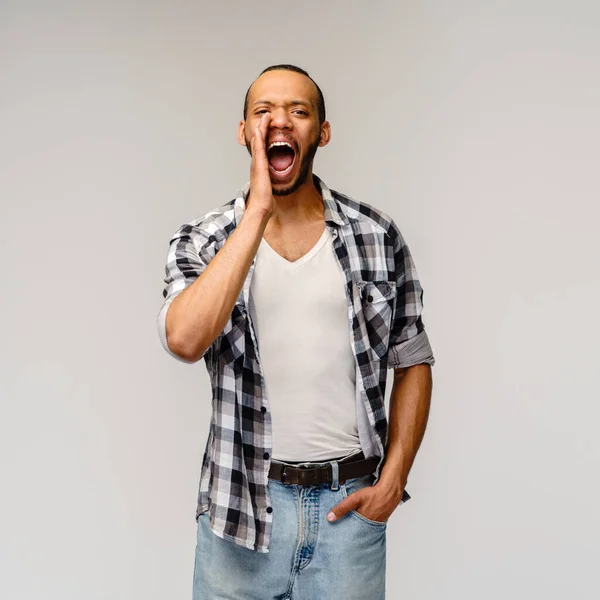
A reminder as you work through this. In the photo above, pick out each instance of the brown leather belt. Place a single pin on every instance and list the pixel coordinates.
(355, 466)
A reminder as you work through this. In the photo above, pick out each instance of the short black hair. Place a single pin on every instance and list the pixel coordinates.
(295, 69)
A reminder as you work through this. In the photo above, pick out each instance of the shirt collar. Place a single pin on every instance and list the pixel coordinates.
(333, 212)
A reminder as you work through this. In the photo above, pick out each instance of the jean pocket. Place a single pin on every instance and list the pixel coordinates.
(352, 485)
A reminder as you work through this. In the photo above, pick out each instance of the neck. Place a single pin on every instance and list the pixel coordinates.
(301, 206)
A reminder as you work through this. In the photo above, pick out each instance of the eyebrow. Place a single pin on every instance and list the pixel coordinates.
(301, 102)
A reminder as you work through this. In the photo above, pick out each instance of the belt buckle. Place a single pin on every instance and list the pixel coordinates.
(301, 466)
(309, 467)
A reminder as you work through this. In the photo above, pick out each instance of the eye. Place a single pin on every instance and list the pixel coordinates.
(302, 112)
(260, 111)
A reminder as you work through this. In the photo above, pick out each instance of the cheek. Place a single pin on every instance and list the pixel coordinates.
(309, 137)
(249, 131)
(250, 126)
(309, 142)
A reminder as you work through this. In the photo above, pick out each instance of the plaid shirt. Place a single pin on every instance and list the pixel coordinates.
(385, 301)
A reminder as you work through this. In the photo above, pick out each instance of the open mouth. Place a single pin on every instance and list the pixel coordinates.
(281, 157)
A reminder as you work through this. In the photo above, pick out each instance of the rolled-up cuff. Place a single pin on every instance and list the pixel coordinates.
(161, 322)
(411, 352)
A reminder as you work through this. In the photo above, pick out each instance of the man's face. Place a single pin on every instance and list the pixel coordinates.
(291, 100)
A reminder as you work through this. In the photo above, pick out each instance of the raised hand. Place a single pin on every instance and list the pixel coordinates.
(261, 192)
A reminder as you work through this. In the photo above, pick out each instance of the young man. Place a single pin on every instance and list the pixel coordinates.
(298, 298)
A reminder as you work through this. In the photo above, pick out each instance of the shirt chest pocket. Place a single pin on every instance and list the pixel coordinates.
(378, 301)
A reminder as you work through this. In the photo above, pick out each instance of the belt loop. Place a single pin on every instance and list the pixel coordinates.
(335, 479)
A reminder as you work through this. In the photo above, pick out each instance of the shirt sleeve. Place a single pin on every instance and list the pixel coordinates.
(409, 344)
(190, 251)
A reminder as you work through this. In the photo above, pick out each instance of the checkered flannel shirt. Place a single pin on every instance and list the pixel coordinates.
(385, 301)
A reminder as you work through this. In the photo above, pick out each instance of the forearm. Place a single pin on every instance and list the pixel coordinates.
(410, 402)
(199, 313)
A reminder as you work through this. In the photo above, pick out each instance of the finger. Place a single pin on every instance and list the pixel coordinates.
(257, 128)
(352, 502)
(256, 132)
(263, 124)
(255, 143)
(261, 132)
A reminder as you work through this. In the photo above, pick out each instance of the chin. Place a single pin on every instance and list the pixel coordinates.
(285, 189)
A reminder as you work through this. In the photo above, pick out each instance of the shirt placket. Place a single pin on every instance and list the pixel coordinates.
(267, 517)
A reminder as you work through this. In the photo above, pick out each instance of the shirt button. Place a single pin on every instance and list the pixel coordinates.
(266, 455)
(263, 409)
(269, 509)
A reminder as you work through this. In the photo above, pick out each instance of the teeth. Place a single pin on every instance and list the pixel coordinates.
(280, 144)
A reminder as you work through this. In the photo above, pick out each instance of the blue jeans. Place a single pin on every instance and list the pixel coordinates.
(309, 558)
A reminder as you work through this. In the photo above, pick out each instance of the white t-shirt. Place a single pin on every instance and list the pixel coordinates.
(300, 317)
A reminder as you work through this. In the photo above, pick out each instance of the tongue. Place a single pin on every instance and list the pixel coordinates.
(281, 159)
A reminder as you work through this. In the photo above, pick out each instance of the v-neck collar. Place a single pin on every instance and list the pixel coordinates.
(293, 265)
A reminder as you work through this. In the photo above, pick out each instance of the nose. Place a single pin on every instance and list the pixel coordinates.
(280, 118)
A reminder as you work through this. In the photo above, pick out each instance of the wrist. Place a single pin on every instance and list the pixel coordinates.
(392, 476)
(260, 202)
(257, 214)
(390, 488)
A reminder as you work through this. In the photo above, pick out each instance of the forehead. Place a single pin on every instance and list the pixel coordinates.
(282, 86)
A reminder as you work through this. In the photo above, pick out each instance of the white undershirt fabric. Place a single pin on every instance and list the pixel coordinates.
(300, 317)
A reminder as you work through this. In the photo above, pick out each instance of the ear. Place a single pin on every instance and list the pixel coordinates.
(325, 134)
(240, 133)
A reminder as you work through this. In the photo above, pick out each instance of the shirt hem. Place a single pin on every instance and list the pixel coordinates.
(235, 540)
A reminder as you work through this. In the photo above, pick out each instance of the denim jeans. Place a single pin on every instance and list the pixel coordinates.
(309, 558)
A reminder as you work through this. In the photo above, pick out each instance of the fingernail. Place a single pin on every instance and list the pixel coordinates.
(331, 516)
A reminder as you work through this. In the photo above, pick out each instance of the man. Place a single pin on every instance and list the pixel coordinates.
(298, 298)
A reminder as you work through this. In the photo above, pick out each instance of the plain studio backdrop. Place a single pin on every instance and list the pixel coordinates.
(475, 125)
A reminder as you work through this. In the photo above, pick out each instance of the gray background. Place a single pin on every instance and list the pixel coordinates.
(474, 124)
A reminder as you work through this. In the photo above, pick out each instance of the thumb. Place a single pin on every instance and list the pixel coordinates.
(352, 502)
